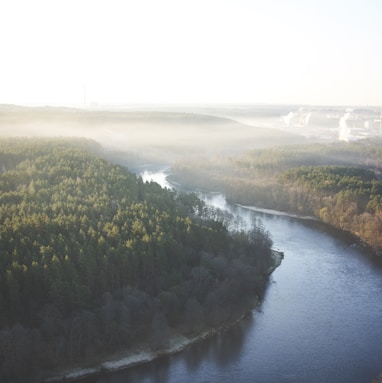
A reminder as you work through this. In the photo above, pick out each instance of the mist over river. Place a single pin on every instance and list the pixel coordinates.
(320, 320)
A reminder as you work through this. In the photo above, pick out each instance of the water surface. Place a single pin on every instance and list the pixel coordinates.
(320, 320)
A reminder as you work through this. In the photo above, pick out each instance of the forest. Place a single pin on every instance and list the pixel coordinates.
(93, 260)
(339, 183)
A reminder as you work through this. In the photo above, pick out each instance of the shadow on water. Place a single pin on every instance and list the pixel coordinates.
(222, 349)
(346, 238)
(326, 291)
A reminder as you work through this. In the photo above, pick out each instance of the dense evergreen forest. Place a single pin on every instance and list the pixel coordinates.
(339, 183)
(93, 260)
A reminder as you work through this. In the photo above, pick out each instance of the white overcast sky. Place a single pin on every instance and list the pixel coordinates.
(194, 51)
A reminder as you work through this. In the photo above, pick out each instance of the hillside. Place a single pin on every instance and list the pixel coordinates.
(93, 260)
(149, 136)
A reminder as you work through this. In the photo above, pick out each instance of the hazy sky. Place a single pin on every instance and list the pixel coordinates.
(194, 51)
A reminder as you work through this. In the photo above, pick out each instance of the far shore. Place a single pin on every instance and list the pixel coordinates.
(278, 212)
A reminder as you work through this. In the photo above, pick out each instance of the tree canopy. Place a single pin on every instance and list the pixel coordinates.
(92, 258)
(340, 183)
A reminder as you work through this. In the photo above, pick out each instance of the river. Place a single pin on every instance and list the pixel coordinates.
(320, 320)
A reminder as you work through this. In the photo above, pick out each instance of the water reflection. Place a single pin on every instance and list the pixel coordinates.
(320, 321)
(223, 349)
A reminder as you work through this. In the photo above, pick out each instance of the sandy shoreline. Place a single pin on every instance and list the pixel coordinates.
(278, 212)
(176, 343)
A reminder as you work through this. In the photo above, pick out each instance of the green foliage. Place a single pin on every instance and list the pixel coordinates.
(346, 197)
(340, 183)
(332, 179)
(92, 258)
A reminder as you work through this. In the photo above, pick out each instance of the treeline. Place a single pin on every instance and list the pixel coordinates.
(346, 197)
(338, 183)
(341, 187)
(93, 260)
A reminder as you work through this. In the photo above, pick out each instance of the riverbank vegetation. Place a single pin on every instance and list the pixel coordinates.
(339, 183)
(94, 260)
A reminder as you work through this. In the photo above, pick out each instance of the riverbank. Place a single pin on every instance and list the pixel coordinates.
(278, 212)
(356, 241)
(277, 257)
(143, 353)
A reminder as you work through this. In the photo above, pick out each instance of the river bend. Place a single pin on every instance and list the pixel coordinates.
(320, 320)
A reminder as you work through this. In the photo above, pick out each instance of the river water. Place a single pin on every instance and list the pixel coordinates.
(320, 320)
